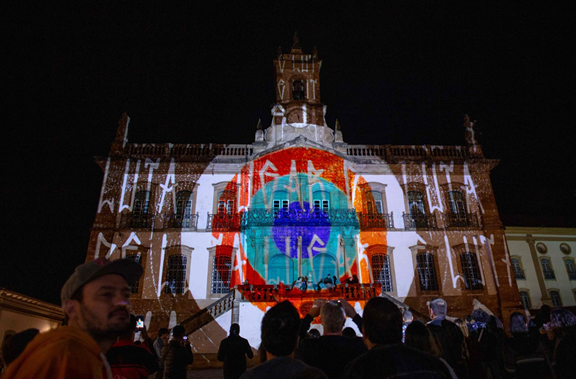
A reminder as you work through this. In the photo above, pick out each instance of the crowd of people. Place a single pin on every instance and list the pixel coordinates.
(98, 340)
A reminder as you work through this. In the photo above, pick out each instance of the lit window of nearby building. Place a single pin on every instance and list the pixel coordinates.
(221, 270)
(426, 271)
(525, 298)
(381, 271)
(570, 268)
(518, 271)
(471, 271)
(555, 297)
(547, 269)
(176, 278)
(134, 287)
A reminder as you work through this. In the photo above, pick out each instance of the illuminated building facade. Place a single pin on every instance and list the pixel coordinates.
(412, 222)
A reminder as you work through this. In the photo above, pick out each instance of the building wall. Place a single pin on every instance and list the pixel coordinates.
(530, 246)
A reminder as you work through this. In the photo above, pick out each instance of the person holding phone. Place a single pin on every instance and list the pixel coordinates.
(177, 355)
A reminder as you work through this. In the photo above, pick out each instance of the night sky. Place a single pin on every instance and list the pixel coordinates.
(201, 72)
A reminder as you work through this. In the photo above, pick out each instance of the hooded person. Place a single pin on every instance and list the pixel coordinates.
(233, 352)
(96, 302)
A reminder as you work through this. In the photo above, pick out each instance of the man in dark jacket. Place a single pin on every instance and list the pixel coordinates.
(233, 351)
(331, 352)
(177, 355)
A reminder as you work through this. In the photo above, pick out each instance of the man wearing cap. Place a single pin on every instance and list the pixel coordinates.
(96, 301)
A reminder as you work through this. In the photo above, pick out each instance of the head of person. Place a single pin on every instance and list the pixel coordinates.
(96, 297)
(463, 327)
(382, 322)
(562, 318)
(480, 316)
(333, 317)
(164, 335)
(407, 316)
(314, 333)
(518, 323)
(419, 337)
(348, 332)
(15, 345)
(234, 329)
(280, 329)
(438, 308)
(178, 333)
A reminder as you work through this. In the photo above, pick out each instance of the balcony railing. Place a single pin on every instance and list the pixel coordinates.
(461, 220)
(299, 217)
(224, 222)
(175, 220)
(419, 220)
(375, 220)
(136, 220)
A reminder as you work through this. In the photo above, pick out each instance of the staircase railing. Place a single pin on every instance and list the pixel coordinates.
(209, 314)
(405, 307)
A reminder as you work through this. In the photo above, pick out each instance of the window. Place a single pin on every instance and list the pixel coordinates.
(221, 272)
(176, 278)
(426, 271)
(525, 299)
(374, 203)
(570, 268)
(457, 203)
(416, 202)
(184, 208)
(547, 269)
(381, 271)
(321, 200)
(298, 90)
(226, 206)
(134, 287)
(518, 271)
(141, 202)
(280, 201)
(555, 297)
(471, 271)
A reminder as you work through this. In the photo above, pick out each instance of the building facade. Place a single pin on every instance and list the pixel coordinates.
(544, 262)
(411, 222)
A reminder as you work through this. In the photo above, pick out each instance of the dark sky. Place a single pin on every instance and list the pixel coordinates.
(201, 72)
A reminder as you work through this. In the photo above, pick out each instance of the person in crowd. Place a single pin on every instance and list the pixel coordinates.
(387, 357)
(233, 352)
(466, 334)
(485, 346)
(328, 282)
(280, 328)
(314, 333)
(128, 360)
(177, 355)
(563, 325)
(419, 337)
(448, 337)
(15, 345)
(348, 332)
(333, 351)
(524, 355)
(335, 280)
(407, 318)
(96, 302)
(159, 343)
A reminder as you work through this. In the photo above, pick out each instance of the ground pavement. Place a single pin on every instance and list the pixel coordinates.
(209, 373)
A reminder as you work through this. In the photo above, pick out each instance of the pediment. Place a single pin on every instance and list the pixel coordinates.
(299, 141)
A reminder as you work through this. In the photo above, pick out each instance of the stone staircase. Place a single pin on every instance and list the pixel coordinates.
(209, 314)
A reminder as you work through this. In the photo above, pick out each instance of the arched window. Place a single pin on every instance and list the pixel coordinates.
(280, 201)
(321, 200)
(381, 271)
(570, 268)
(298, 90)
(176, 278)
(221, 273)
(426, 271)
(518, 271)
(184, 208)
(547, 269)
(141, 202)
(374, 202)
(471, 271)
(134, 287)
(457, 203)
(416, 203)
(555, 297)
(525, 299)
(280, 269)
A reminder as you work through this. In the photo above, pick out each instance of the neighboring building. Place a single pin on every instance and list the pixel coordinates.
(414, 222)
(20, 312)
(544, 264)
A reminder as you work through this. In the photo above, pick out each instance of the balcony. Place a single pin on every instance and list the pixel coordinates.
(419, 221)
(299, 217)
(174, 220)
(375, 221)
(224, 222)
(461, 220)
(136, 220)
